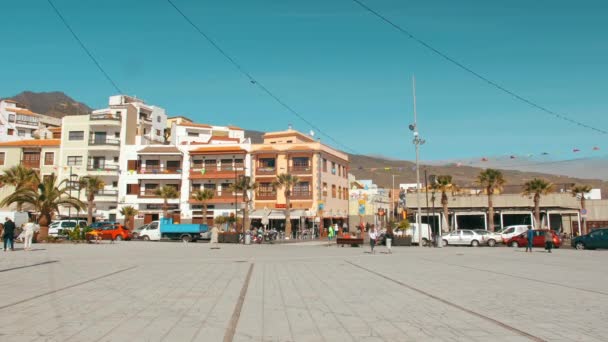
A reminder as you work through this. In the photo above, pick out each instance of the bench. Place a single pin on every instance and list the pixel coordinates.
(353, 242)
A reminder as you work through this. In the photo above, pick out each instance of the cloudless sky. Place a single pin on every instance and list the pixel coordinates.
(345, 70)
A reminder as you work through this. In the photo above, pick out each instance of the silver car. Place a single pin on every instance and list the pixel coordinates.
(489, 238)
(463, 237)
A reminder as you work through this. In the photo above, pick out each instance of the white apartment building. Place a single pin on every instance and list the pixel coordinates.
(20, 123)
(199, 156)
(97, 145)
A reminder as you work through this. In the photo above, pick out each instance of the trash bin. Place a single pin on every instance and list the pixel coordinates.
(247, 239)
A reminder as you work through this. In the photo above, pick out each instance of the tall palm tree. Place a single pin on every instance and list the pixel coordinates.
(19, 176)
(46, 197)
(444, 185)
(286, 181)
(129, 212)
(581, 190)
(167, 192)
(243, 185)
(537, 187)
(203, 195)
(492, 180)
(91, 184)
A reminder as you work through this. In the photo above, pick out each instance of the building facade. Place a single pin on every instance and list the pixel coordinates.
(19, 123)
(368, 204)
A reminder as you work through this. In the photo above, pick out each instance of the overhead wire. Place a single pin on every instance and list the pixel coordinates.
(443, 55)
(83, 46)
(256, 81)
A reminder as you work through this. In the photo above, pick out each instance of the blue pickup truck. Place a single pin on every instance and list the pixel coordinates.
(166, 229)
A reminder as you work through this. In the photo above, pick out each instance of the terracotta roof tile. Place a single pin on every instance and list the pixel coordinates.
(192, 124)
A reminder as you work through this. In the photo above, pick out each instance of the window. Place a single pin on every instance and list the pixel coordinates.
(11, 118)
(333, 191)
(301, 189)
(117, 135)
(289, 141)
(267, 164)
(192, 134)
(266, 190)
(76, 135)
(132, 189)
(49, 158)
(467, 232)
(10, 131)
(1, 158)
(152, 164)
(333, 168)
(74, 160)
(116, 159)
(21, 133)
(324, 165)
(115, 184)
(324, 189)
(173, 165)
(210, 163)
(300, 163)
(158, 132)
(158, 118)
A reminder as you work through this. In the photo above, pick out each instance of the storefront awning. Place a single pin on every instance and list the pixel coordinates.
(277, 214)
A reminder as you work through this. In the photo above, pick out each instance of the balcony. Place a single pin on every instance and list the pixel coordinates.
(301, 195)
(261, 171)
(27, 123)
(217, 172)
(93, 141)
(151, 193)
(32, 164)
(105, 119)
(225, 196)
(102, 167)
(159, 170)
(300, 169)
(266, 196)
(106, 195)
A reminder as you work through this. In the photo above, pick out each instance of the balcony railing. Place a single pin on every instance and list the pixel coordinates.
(299, 169)
(266, 170)
(105, 117)
(103, 141)
(106, 193)
(301, 195)
(159, 170)
(28, 123)
(152, 193)
(266, 196)
(32, 164)
(197, 170)
(101, 167)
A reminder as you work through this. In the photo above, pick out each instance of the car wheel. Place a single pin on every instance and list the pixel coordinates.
(445, 243)
(118, 238)
(491, 243)
(514, 244)
(186, 238)
(146, 238)
(580, 246)
(474, 243)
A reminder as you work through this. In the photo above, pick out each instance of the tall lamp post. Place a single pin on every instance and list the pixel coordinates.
(417, 142)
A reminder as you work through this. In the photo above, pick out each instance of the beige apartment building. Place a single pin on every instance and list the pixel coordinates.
(321, 196)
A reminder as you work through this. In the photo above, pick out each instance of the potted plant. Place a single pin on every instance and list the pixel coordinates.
(402, 239)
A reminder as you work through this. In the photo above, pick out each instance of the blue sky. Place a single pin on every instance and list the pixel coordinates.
(342, 68)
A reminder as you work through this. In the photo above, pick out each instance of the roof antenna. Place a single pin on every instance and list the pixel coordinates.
(289, 127)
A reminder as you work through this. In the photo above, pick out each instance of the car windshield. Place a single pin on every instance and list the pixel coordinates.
(481, 231)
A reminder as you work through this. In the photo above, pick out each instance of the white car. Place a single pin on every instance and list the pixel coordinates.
(464, 237)
(489, 238)
(57, 228)
(511, 231)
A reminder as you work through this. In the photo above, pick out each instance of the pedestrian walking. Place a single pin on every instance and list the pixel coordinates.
(331, 232)
(548, 241)
(373, 235)
(29, 229)
(389, 236)
(9, 234)
(530, 236)
(214, 238)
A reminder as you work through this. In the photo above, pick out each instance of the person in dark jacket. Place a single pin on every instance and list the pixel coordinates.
(389, 236)
(530, 236)
(9, 234)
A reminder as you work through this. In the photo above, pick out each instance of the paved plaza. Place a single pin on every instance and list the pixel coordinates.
(164, 291)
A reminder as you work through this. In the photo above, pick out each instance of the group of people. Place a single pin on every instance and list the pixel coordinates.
(375, 235)
(548, 240)
(8, 234)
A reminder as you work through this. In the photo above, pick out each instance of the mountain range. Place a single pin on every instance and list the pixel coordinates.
(383, 171)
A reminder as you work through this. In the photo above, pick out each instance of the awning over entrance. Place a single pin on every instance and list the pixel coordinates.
(277, 214)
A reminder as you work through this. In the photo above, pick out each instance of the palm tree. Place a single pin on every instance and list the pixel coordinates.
(444, 185)
(166, 192)
(537, 187)
(19, 176)
(581, 190)
(128, 212)
(286, 181)
(91, 184)
(203, 195)
(492, 180)
(243, 185)
(46, 197)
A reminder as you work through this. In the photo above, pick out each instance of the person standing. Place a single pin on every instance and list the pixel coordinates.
(548, 241)
(28, 230)
(530, 236)
(389, 236)
(330, 234)
(214, 237)
(9, 234)
(373, 235)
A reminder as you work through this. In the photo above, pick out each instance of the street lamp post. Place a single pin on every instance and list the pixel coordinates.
(417, 142)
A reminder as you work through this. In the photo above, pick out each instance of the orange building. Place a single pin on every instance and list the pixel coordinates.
(321, 196)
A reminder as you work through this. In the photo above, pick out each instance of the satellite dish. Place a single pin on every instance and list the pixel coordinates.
(312, 133)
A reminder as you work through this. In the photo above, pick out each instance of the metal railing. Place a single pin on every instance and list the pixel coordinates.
(105, 117)
(152, 193)
(107, 141)
(300, 169)
(264, 196)
(301, 195)
(106, 193)
(34, 164)
(159, 169)
(102, 167)
(266, 171)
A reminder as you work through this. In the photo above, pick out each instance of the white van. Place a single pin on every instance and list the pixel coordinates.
(415, 233)
(511, 231)
(63, 227)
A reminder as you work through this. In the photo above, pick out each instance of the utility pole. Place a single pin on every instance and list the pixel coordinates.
(393, 200)
(417, 142)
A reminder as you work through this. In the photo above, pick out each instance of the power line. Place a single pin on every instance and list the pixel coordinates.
(474, 73)
(255, 81)
(64, 21)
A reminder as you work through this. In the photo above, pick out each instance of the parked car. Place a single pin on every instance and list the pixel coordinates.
(101, 224)
(511, 231)
(598, 238)
(137, 231)
(463, 237)
(62, 227)
(490, 238)
(115, 232)
(537, 241)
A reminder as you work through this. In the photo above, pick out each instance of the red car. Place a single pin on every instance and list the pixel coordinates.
(115, 232)
(521, 240)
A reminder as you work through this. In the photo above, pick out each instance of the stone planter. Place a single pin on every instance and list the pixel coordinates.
(402, 241)
(228, 238)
